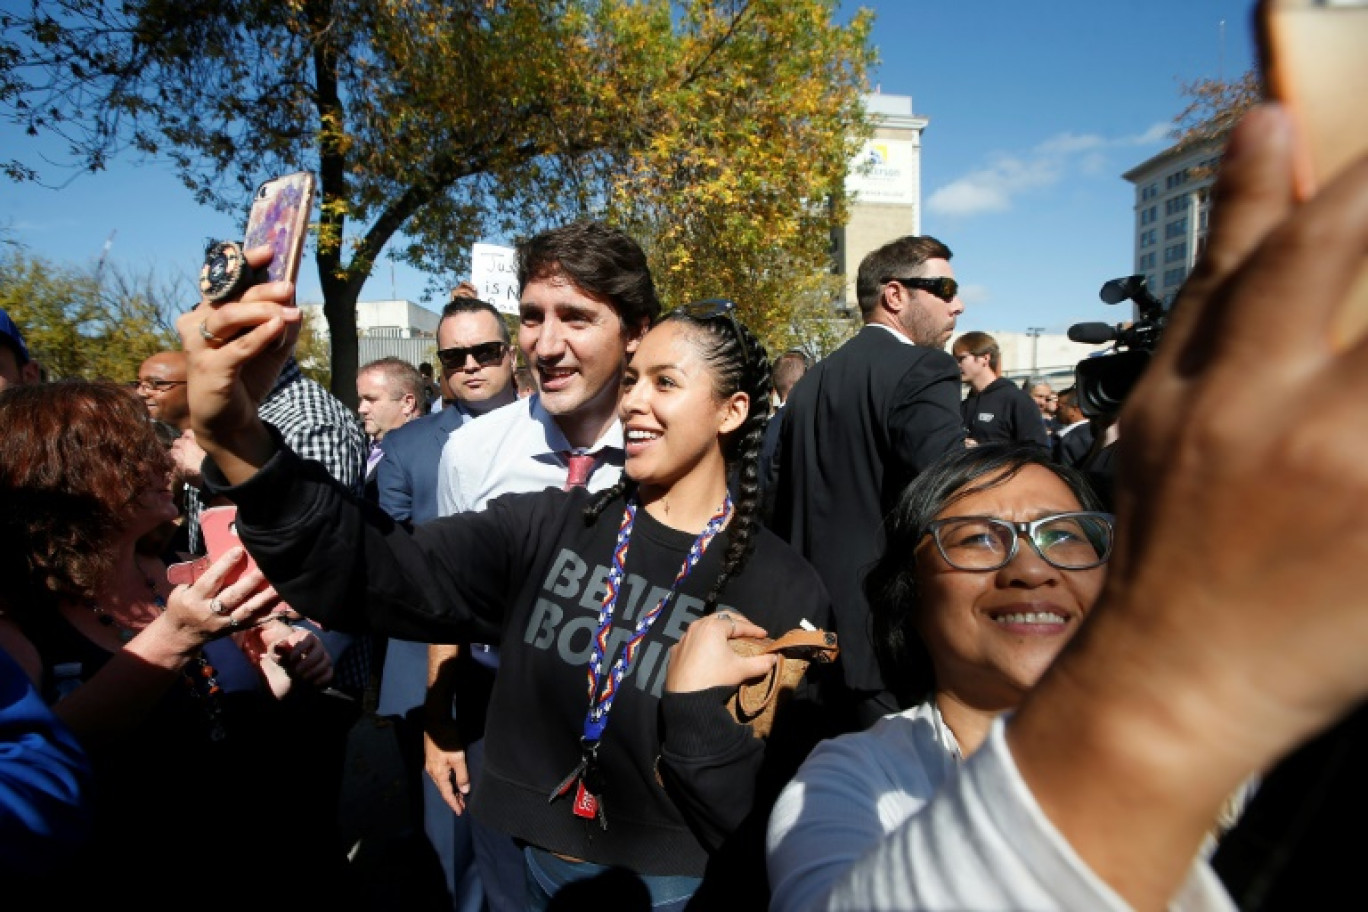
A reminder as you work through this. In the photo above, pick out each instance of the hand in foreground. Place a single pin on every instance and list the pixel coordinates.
(702, 658)
(286, 656)
(235, 353)
(188, 457)
(445, 761)
(207, 609)
(1233, 622)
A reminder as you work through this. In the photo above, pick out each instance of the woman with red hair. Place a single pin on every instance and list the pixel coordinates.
(171, 690)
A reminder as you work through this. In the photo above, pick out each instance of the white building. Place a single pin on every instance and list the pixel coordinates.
(1172, 203)
(384, 319)
(401, 319)
(400, 329)
(884, 182)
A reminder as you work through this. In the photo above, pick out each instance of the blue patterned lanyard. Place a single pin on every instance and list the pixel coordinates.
(603, 688)
(601, 700)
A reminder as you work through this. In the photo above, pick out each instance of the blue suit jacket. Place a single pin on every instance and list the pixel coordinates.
(406, 478)
(406, 482)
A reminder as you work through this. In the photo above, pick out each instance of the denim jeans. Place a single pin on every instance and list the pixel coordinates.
(548, 874)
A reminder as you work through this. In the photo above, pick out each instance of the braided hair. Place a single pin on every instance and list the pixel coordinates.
(738, 363)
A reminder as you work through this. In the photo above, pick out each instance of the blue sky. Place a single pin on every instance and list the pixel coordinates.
(1035, 109)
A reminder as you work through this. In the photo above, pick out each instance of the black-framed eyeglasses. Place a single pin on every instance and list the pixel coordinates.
(711, 309)
(942, 287)
(1068, 541)
(159, 386)
(486, 354)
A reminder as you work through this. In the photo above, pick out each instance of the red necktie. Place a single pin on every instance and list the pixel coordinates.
(580, 464)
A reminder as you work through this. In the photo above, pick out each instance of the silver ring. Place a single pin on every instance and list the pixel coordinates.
(218, 607)
(205, 334)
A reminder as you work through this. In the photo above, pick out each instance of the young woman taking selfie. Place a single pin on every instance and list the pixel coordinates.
(597, 756)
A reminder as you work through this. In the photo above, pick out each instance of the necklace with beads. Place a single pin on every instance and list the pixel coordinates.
(199, 677)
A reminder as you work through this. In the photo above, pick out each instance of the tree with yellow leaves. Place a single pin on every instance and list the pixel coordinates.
(717, 131)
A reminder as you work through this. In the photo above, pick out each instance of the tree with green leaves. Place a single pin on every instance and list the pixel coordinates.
(79, 324)
(717, 131)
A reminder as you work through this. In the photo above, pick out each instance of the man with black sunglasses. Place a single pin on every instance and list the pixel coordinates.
(859, 426)
(476, 360)
(476, 357)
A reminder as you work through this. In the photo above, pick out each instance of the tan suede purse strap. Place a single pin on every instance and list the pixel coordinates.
(754, 704)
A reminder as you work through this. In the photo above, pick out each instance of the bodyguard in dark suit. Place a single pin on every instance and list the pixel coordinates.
(1074, 442)
(857, 428)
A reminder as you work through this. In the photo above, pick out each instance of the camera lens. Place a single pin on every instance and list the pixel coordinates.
(1105, 381)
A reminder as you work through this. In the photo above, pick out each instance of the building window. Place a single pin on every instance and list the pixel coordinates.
(1175, 253)
(1174, 277)
(1176, 228)
(1176, 205)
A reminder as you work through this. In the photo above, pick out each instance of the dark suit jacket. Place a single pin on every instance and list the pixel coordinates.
(406, 478)
(856, 429)
(1072, 448)
(406, 482)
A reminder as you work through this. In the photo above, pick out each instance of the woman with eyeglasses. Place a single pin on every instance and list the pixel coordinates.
(993, 558)
(610, 753)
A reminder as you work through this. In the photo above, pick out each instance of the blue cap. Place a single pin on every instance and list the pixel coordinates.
(10, 333)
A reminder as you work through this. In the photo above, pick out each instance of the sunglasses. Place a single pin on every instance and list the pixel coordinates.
(486, 354)
(942, 287)
(711, 309)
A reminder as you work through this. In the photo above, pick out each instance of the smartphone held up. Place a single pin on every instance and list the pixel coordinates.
(1314, 58)
(279, 219)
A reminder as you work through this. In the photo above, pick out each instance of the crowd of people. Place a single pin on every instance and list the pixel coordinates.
(1051, 692)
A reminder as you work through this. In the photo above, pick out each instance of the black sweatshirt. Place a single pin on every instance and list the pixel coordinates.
(1003, 413)
(528, 573)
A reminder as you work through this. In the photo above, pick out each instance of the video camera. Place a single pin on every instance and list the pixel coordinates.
(1104, 381)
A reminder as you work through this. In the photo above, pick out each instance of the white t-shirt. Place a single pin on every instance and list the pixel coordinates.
(514, 449)
(890, 818)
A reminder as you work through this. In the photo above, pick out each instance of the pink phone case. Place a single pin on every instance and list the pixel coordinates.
(218, 525)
